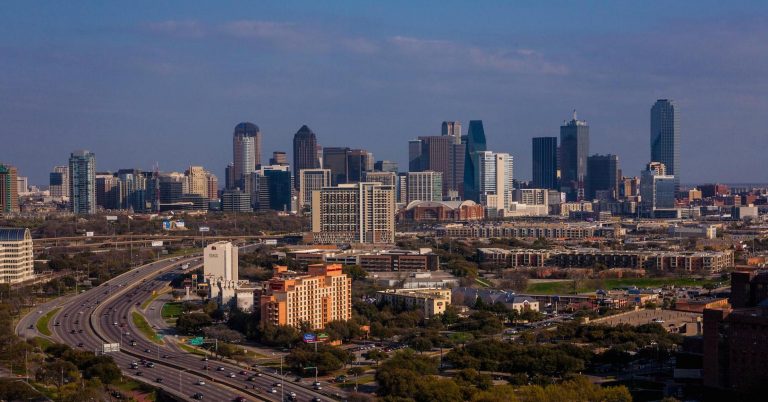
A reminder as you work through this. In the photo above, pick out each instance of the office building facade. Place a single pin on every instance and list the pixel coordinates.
(452, 129)
(58, 182)
(665, 137)
(544, 161)
(425, 186)
(246, 150)
(305, 154)
(311, 180)
(354, 213)
(220, 270)
(657, 192)
(603, 178)
(474, 143)
(16, 256)
(82, 182)
(494, 179)
(574, 150)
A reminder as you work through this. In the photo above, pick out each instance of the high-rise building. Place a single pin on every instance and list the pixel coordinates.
(665, 137)
(305, 155)
(22, 183)
(235, 200)
(544, 162)
(275, 190)
(453, 129)
(213, 186)
(474, 142)
(133, 189)
(336, 160)
(108, 195)
(16, 257)
(311, 180)
(359, 161)
(494, 177)
(9, 190)
(414, 155)
(278, 158)
(220, 270)
(440, 153)
(574, 149)
(229, 177)
(246, 148)
(82, 182)
(657, 168)
(385, 166)
(197, 181)
(59, 182)
(354, 213)
(603, 178)
(425, 186)
(386, 178)
(322, 295)
(657, 192)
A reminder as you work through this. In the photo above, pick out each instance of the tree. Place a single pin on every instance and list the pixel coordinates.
(376, 355)
(355, 272)
(193, 323)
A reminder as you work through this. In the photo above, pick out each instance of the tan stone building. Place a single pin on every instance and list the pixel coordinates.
(431, 301)
(16, 257)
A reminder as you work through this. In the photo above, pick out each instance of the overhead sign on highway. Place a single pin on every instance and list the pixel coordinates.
(197, 341)
(88, 234)
(157, 243)
(111, 347)
(205, 229)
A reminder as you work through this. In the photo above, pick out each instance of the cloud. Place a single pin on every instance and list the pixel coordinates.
(458, 54)
(178, 28)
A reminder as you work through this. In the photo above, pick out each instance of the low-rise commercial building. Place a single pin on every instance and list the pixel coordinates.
(431, 301)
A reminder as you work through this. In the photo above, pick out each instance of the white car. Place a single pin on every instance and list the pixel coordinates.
(200, 382)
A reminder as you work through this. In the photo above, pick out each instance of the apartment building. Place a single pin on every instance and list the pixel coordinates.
(431, 301)
(16, 258)
(322, 295)
(354, 213)
(547, 231)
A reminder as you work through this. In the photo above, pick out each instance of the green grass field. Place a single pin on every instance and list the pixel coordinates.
(150, 300)
(141, 323)
(42, 323)
(171, 310)
(566, 287)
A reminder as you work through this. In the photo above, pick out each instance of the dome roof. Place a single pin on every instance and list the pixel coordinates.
(246, 129)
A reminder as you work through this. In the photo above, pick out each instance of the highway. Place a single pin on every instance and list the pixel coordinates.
(88, 320)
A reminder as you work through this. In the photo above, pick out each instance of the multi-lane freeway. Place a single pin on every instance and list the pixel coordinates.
(104, 315)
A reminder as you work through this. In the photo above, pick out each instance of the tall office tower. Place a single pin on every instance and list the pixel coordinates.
(197, 181)
(665, 137)
(320, 155)
(629, 187)
(17, 261)
(275, 190)
(657, 192)
(386, 178)
(425, 186)
(82, 182)
(59, 182)
(495, 177)
(213, 186)
(441, 154)
(385, 166)
(278, 158)
(574, 149)
(311, 180)
(108, 193)
(474, 142)
(453, 129)
(133, 189)
(414, 155)
(305, 152)
(603, 179)
(220, 270)
(544, 162)
(229, 177)
(354, 213)
(22, 184)
(401, 188)
(359, 162)
(171, 186)
(322, 295)
(9, 189)
(246, 146)
(336, 159)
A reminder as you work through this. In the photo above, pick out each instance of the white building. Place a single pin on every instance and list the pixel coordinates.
(220, 270)
(16, 258)
(495, 177)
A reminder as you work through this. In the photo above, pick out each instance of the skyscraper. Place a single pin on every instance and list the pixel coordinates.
(544, 162)
(414, 155)
(59, 182)
(311, 180)
(495, 177)
(603, 179)
(359, 161)
(246, 149)
(453, 129)
(574, 149)
(425, 186)
(354, 213)
(9, 194)
(278, 158)
(665, 137)
(82, 182)
(108, 191)
(657, 192)
(305, 155)
(335, 159)
(474, 143)
(385, 166)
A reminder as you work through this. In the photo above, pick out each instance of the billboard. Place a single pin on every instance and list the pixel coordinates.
(157, 243)
(88, 234)
(270, 242)
(111, 218)
(110, 347)
(205, 229)
(310, 338)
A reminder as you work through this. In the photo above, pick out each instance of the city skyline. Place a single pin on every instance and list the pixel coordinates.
(180, 79)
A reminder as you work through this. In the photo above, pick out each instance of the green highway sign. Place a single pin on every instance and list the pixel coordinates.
(197, 341)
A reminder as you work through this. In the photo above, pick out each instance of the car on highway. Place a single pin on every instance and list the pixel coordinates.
(219, 368)
(150, 364)
(133, 343)
(231, 375)
(200, 382)
(159, 379)
(240, 399)
(147, 351)
(198, 396)
(80, 345)
(273, 390)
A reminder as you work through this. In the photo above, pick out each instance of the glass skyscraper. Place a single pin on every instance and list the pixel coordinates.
(82, 182)
(544, 162)
(246, 150)
(574, 150)
(304, 152)
(665, 137)
(475, 142)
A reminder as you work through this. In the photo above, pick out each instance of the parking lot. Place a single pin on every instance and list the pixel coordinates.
(667, 318)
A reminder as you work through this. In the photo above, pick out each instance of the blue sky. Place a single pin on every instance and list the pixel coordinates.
(165, 81)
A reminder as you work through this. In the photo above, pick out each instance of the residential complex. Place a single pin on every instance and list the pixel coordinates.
(354, 213)
(322, 295)
(430, 301)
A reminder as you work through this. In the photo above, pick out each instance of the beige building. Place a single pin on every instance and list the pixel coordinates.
(319, 297)
(16, 258)
(197, 181)
(220, 265)
(354, 213)
(311, 180)
(213, 186)
(431, 301)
